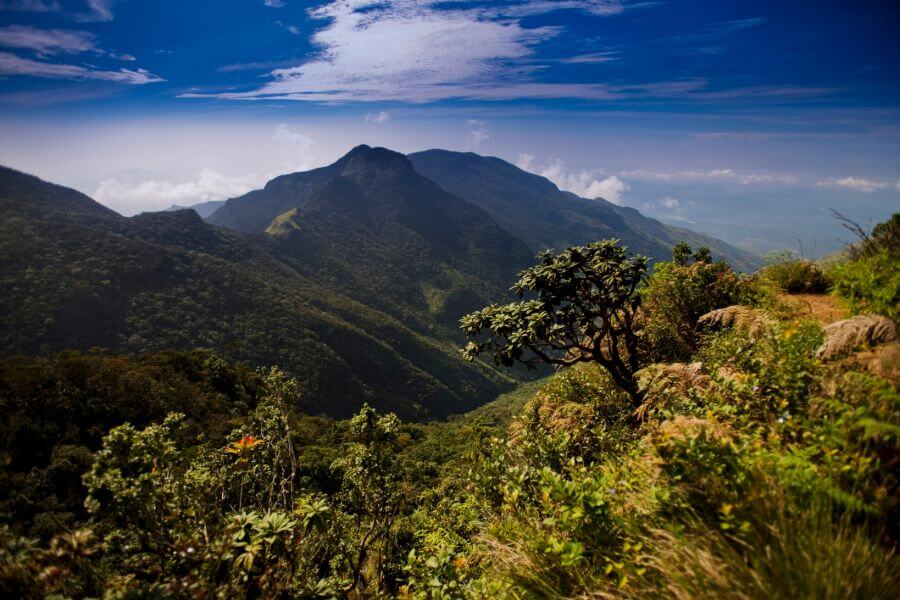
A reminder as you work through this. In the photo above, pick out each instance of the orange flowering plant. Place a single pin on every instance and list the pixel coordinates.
(243, 447)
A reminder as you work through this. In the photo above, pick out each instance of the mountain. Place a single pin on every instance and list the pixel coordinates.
(77, 275)
(352, 277)
(385, 235)
(204, 209)
(532, 208)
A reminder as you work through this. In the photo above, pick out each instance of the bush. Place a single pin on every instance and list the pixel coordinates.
(795, 275)
(870, 284)
(677, 294)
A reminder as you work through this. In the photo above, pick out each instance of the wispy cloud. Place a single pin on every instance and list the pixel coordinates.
(667, 207)
(586, 184)
(98, 11)
(10, 64)
(429, 50)
(592, 58)
(274, 3)
(476, 132)
(40, 6)
(860, 184)
(725, 175)
(378, 117)
(49, 96)
(670, 202)
(264, 65)
(46, 41)
(283, 133)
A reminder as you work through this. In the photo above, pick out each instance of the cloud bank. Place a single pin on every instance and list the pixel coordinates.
(860, 184)
(128, 197)
(583, 183)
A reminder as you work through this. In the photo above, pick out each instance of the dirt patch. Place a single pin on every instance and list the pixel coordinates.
(824, 308)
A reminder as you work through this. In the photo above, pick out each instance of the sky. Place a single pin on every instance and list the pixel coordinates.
(744, 119)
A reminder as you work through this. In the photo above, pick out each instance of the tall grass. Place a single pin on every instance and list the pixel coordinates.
(792, 554)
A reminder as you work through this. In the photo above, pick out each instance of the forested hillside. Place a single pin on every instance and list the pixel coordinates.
(351, 277)
(755, 457)
(76, 276)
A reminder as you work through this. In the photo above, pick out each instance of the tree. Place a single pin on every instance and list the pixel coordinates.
(703, 255)
(581, 308)
(373, 494)
(681, 253)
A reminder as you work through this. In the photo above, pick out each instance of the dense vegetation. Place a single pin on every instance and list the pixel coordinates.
(77, 276)
(750, 469)
(871, 280)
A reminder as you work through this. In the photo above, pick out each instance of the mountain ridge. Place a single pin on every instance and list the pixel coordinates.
(534, 209)
(164, 280)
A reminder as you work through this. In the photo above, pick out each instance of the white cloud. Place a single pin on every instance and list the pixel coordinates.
(99, 11)
(274, 3)
(301, 160)
(612, 189)
(10, 64)
(378, 117)
(711, 175)
(859, 184)
(428, 50)
(129, 197)
(476, 132)
(583, 183)
(593, 57)
(30, 5)
(46, 41)
(283, 133)
(670, 202)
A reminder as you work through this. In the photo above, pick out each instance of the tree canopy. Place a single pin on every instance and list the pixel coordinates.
(575, 306)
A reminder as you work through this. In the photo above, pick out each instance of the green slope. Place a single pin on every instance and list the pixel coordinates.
(76, 275)
(385, 235)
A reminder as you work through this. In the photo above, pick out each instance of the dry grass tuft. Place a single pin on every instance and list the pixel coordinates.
(751, 320)
(843, 337)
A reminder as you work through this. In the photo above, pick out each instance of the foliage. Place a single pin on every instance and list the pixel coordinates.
(583, 309)
(56, 411)
(678, 293)
(884, 236)
(794, 274)
(346, 316)
(870, 284)
(751, 470)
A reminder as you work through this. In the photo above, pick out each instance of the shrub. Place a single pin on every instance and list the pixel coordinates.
(677, 294)
(795, 275)
(870, 284)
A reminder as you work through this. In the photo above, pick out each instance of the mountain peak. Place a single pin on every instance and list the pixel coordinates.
(377, 158)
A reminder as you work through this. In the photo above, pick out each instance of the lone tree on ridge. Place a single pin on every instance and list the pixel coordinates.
(580, 307)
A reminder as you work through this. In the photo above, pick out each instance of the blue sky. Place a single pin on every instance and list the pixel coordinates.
(687, 110)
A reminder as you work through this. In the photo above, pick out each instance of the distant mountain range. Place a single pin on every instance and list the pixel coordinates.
(352, 277)
(528, 206)
(535, 210)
